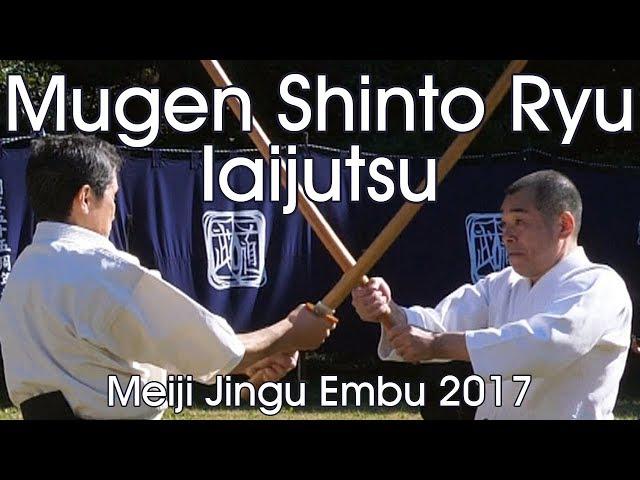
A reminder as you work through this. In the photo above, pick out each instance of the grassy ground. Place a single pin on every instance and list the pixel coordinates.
(626, 409)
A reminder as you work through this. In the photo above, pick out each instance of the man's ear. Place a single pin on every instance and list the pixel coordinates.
(567, 224)
(83, 199)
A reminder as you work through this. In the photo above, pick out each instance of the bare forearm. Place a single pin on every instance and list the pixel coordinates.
(398, 316)
(262, 343)
(452, 346)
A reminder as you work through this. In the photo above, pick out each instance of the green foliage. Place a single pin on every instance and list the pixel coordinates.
(35, 73)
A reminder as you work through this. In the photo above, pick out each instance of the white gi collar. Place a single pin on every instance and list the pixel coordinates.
(47, 232)
(576, 259)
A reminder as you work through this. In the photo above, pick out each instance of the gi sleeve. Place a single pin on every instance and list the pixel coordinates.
(158, 324)
(464, 309)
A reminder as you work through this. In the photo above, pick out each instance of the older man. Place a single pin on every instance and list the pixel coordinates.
(549, 334)
(76, 310)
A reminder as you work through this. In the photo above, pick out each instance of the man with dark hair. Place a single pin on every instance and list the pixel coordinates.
(553, 194)
(549, 335)
(59, 167)
(76, 310)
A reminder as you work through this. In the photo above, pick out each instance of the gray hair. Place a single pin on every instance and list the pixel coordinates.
(553, 193)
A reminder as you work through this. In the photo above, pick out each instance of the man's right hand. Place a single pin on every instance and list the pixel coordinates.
(373, 300)
(308, 331)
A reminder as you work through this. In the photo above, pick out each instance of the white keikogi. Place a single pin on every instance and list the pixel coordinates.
(570, 332)
(77, 310)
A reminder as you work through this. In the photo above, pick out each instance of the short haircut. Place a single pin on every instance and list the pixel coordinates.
(60, 165)
(553, 193)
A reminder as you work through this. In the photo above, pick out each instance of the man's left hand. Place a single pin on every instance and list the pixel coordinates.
(272, 368)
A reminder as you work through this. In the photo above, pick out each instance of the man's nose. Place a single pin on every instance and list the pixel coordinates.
(508, 237)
